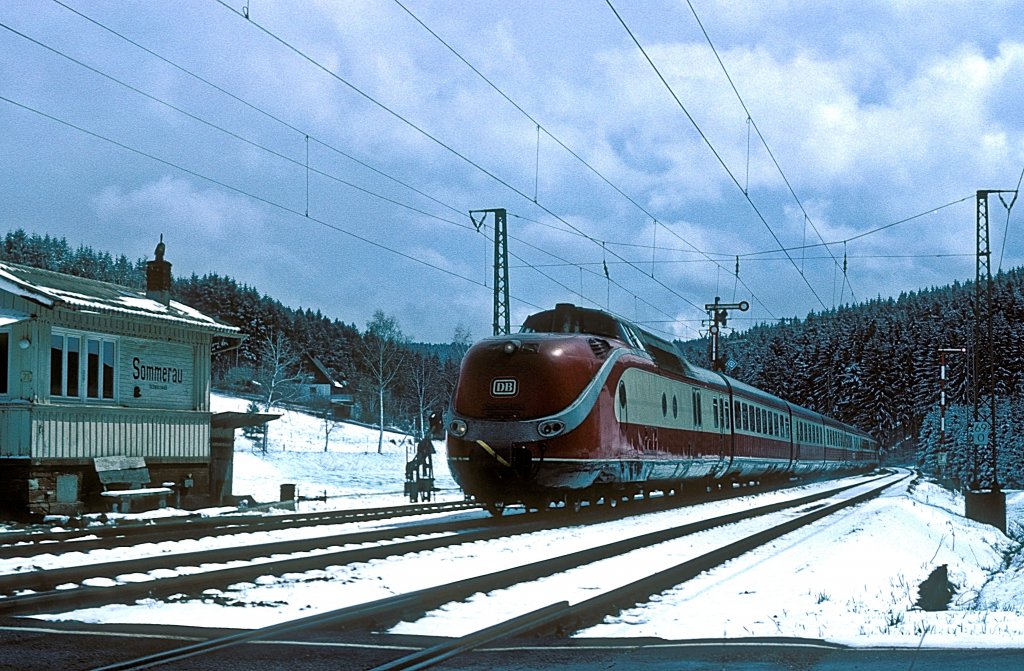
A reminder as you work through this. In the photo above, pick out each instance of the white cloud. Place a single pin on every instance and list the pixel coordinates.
(175, 204)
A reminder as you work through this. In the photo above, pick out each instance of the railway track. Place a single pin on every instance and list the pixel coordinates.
(69, 587)
(30, 543)
(559, 617)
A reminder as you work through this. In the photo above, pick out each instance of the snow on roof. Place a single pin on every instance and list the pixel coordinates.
(52, 289)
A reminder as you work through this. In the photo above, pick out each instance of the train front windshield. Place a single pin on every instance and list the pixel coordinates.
(573, 321)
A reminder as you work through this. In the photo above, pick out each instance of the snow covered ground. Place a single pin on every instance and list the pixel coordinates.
(852, 578)
(350, 472)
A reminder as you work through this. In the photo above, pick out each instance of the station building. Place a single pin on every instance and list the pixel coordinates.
(91, 369)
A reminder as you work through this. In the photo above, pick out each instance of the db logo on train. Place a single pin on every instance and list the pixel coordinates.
(504, 386)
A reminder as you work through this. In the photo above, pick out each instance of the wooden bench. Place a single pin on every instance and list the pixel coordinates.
(124, 480)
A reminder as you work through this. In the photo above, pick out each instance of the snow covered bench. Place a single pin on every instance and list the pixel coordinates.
(123, 480)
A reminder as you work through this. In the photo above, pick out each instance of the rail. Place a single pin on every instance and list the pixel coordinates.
(557, 617)
(28, 543)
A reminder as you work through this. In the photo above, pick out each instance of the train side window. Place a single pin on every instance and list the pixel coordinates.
(664, 405)
(714, 411)
(675, 407)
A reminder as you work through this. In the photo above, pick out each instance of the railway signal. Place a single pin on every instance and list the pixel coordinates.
(942, 457)
(718, 316)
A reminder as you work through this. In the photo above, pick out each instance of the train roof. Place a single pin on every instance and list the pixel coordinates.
(569, 318)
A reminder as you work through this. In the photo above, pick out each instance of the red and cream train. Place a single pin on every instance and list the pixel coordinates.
(581, 405)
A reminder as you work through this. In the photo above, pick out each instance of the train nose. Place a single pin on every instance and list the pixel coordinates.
(515, 379)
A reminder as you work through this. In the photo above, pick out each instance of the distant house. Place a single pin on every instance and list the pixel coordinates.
(322, 385)
(91, 369)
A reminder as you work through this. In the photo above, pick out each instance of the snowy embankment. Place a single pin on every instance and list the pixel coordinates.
(349, 472)
(853, 578)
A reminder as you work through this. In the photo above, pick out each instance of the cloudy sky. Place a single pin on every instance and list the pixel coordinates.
(329, 153)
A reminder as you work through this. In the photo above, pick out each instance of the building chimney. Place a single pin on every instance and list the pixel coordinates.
(158, 276)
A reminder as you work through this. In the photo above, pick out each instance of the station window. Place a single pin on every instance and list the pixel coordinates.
(82, 365)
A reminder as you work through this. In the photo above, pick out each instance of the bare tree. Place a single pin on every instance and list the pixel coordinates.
(279, 374)
(325, 411)
(461, 342)
(462, 339)
(426, 378)
(383, 352)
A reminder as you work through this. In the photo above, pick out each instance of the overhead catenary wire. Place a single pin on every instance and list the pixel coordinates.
(666, 262)
(714, 151)
(764, 142)
(567, 148)
(247, 194)
(372, 168)
(433, 138)
(864, 234)
(307, 167)
(1006, 229)
(608, 243)
(306, 137)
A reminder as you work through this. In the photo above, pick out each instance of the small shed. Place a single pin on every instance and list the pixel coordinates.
(222, 449)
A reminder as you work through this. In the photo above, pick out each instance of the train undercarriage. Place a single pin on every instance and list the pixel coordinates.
(502, 477)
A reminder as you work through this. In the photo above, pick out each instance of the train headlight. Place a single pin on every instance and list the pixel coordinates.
(510, 347)
(551, 428)
(457, 428)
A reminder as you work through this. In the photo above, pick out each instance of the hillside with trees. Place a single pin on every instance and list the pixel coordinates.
(874, 365)
(269, 364)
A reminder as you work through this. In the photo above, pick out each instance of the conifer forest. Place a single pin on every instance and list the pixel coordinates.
(874, 364)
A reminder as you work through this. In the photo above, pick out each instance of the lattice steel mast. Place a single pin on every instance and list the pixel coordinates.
(501, 310)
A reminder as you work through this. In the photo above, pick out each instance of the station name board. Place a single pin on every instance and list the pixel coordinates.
(141, 371)
(156, 374)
